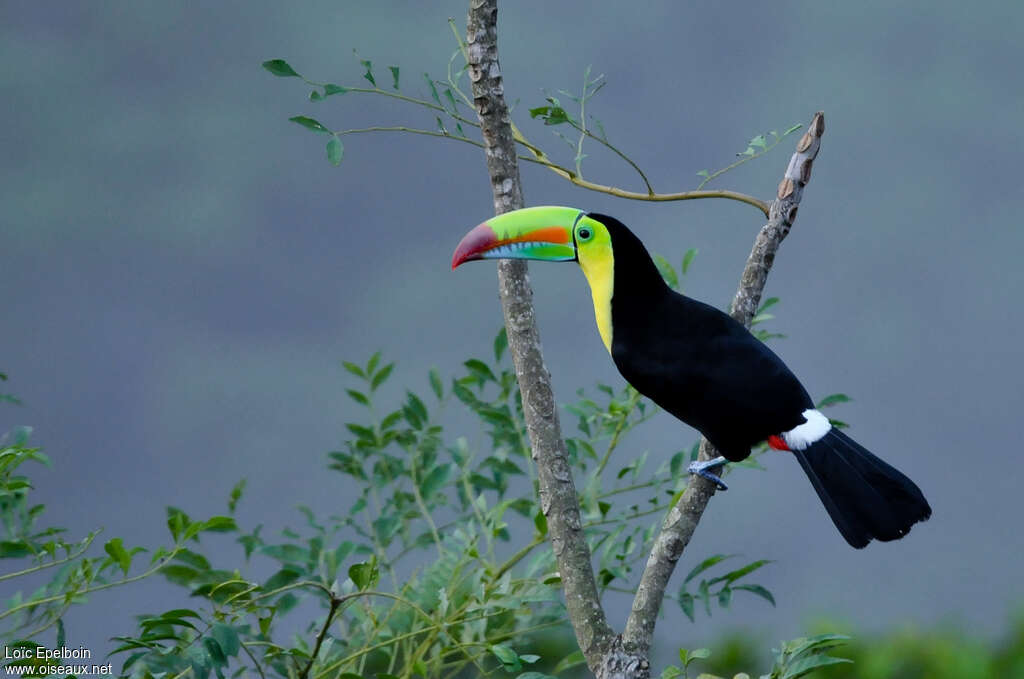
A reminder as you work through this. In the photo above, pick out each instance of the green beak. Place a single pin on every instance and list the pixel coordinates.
(543, 233)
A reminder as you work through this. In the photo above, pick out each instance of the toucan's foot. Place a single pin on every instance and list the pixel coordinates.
(700, 468)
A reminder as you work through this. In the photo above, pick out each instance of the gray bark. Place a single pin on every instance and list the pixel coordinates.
(558, 498)
(683, 518)
(608, 656)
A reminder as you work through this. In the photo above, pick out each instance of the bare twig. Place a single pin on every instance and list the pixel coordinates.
(683, 518)
(335, 603)
(614, 149)
(558, 498)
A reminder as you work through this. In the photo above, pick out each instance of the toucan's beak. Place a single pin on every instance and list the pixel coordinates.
(543, 233)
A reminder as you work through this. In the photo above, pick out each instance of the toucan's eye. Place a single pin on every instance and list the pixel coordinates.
(584, 233)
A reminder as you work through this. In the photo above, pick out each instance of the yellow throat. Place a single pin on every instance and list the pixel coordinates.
(598, 264)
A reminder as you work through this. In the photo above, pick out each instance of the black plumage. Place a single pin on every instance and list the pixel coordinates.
(709, 371)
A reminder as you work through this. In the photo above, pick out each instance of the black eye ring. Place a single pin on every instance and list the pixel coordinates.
(584, 233)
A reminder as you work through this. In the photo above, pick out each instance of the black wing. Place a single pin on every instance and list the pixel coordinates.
(709, 371)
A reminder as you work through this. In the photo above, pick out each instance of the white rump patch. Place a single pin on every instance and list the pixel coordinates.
(811, 431)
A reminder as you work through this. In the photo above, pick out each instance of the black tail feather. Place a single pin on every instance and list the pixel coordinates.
(866, 497)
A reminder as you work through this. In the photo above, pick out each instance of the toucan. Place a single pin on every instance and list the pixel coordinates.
(705, 368)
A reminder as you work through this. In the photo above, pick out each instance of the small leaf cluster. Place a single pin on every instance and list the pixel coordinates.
(755, 148)
(719, 588)
(793, 660)
(668, 272)
(449, 104)
(43, 550)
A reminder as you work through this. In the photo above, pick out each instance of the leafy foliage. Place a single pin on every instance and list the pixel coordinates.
(719, 588)
(795, 659)
(384, 607)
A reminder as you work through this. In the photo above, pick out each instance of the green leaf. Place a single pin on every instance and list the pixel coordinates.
(358, 396)
(435, 480)
(574, 659)
(500, 344)
(706, 564)
(287, 553)
(688, 259)
(310, 124)
(686, 603)
(368, 65)
(372, 364)
(416, 405)
(394, 76)
(193, 559)
(433, 89)
(164, 620)
(215, 651)
(330, 89)
(833, 399)
(704, 173)
(435, 383)
(735, 575)
(119, 554)
(529, 658)
(385, 527)
(236, 495)
(227, 637)
(179, 574)
(335, 149)
(667, 272)
(480, 370)
(219, 524)
(724, 597)
(182, 613)
(285, 576)
(354, 369)
(364, 575)
(381, 376)
(759, 591)
(540, 522)
(364, 433)
(804, 666)
(504, 654)
(280, 68)
(177, 522)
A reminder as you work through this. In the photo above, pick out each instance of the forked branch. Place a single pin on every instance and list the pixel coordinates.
(682, 519)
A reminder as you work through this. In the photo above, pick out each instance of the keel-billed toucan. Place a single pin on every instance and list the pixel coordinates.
(704, 367)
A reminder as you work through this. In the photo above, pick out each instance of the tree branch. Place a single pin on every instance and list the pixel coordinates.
(558, 498)
(683, 518)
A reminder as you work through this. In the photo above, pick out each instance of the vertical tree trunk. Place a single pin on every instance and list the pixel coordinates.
(558, 498)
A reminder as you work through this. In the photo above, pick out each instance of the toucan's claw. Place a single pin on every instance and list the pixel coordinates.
(700, 468)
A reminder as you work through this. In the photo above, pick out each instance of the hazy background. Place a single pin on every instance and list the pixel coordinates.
(182, 270)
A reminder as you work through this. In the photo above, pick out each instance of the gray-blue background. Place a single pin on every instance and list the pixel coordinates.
(182, 270)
